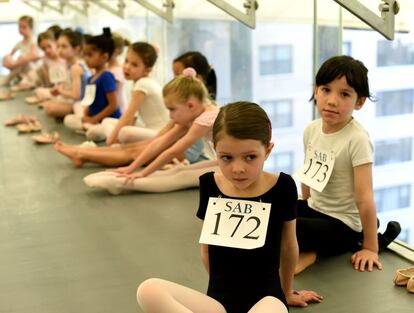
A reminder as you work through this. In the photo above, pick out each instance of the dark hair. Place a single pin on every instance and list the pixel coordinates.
(28, 19)
(199, 62)
(355, 72)
(55, 30)
(75, 38)
(243, 120)
(146, 52)
(45, 36)
(103, 43)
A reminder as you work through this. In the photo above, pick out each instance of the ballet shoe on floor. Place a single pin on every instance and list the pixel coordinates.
(403, 276)
(21, 87)
(20, 119)
(410, 285)
(32, 100)
(7, 95)
(46, 138)
(33, 126)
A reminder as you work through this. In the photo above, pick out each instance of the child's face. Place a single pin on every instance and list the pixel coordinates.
(335, 102)
(65, 49)
(49, 48)
(134, 67)
(180, 113)
(93, 57)
(24, 28)
(241, 160)
(177, 68)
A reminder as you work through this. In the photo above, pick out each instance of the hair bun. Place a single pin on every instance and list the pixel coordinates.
(190, 72)
(107, 32)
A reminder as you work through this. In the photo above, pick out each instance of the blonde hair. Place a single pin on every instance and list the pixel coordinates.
(28, 19)
(120, 42)
(183, 87)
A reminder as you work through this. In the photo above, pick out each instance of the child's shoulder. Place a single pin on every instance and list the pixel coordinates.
(108, 75)
(146, 82)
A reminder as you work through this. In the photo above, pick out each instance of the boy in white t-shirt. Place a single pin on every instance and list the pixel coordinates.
(338, 209)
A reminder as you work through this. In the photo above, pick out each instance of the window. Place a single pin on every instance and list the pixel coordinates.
(395, 102)
(397, 52)
(404, 235)
(280, 162)
(280, 112)
(393, 198)
(275, 59)
(393, 151)
(347, 48)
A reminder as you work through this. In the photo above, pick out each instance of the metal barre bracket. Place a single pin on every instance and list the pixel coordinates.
(248, 18)
(37, 8)
(385, 24)
(120, 11)
(83, 10)
(167, 14)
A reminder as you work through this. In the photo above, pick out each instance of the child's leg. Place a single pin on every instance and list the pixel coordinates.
(176, 178)
(129, 134)
(55, 108)
(43, 93)
(73, 122)
(96, 132)
(269, 304)
(305, 260)
(107, 156)
(318, 233)
(158, 296)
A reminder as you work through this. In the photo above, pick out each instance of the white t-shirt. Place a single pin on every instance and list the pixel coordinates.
(152, 112)
(352, 147)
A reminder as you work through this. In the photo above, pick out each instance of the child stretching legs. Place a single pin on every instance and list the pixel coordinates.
(253, 274)
(192, 116)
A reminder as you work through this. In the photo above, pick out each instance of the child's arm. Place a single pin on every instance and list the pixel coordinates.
(195, 133)
(289, 253)
(364, 199)
(204, 257)
(305, 191)
(33, 55)
(158, 146)
(128, 116)
(76, 73)
(107, 111)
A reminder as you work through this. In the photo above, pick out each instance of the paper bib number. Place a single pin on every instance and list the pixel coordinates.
(235, 223)
(57, 74)
(317, 169)
(89, 97)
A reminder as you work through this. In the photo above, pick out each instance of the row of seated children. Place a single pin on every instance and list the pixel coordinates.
(341, 86)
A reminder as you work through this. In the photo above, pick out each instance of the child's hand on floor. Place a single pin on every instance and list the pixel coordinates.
(365, 258)
(302, 298)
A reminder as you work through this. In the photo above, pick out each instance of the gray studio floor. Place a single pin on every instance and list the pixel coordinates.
(65, 248)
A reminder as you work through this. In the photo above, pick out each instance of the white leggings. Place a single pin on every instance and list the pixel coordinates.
(177, 178)
(127, 134)
(74, 121)
(158, 296)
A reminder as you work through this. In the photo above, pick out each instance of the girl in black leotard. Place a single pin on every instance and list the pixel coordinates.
(248, 239)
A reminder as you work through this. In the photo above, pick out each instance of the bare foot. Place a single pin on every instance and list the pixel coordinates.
(306, 259)
(69, 151)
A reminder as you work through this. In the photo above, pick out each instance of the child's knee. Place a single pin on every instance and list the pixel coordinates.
(148, 291)
(95, 133)
(124, 135)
